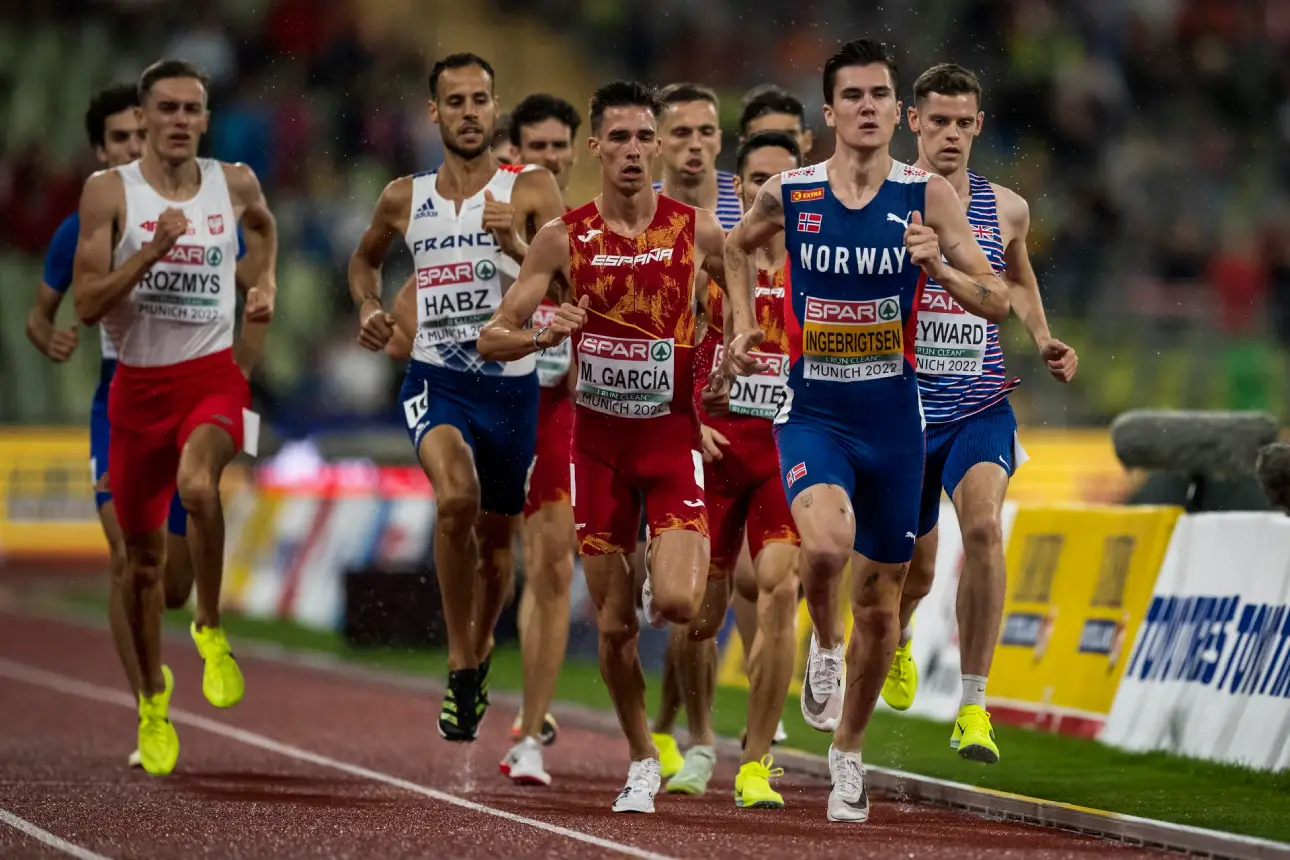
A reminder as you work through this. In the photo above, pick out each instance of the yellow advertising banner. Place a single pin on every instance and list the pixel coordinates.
(1079, 582)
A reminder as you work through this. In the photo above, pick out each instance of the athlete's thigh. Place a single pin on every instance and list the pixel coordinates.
(990, 436)
(886, 500)
(606, 508)
(505, 428)
(609, 585)
(145, 464)
(440, 435)
(819, 479)
(225, 396)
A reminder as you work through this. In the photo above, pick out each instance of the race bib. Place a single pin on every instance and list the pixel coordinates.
(456, 300)
(627, 377)
(553, 363)
(186, 286)
(850, 341)
(759, 396)
(951, 341)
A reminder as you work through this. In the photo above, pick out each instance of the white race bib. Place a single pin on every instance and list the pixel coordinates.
(456, 300)
(759, 396)
(185, 286)
(627, 377)
(553, 363)
(852, 341)
(951, 341)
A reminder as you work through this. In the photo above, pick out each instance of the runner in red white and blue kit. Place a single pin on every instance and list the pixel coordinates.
(972, 446)
(850, 432)
(116, 131)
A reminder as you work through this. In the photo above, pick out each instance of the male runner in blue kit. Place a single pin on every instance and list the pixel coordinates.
(850, 432)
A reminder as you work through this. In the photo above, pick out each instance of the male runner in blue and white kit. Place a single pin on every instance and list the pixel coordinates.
(850, 432)
(473, 423)
(116, 132)
(972, 446)
(689, 132)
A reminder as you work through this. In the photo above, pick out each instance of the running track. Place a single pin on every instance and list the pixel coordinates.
(314, 764)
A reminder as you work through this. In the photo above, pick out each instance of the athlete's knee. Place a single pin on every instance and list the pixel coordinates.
(617, 627)
(822, 559)
(458, 507)
(779, 598)
(922, 571)
(982, 534)
(550, 576)
(144, 566)
(199, 493)
(117, 563)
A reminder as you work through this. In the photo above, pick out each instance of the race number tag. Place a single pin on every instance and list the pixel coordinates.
(553, 363)
(951, 341)
(185, 286)
(628, 377)
(759, 396)
(852, 341)
(456, 300)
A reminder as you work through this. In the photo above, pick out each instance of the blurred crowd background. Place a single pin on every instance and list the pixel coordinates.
(1151, 137)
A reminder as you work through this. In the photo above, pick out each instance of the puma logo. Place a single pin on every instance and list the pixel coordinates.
(589, 235)
(904, 222)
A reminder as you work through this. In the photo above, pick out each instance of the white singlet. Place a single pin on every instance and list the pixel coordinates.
(183, 307)
(461, 275)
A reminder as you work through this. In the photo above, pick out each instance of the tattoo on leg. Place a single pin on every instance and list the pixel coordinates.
(806, 499)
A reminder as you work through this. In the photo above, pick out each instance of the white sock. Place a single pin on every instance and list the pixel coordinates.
(973, 691)
(906, 635)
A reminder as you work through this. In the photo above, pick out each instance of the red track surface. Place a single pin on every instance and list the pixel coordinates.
(62, 768)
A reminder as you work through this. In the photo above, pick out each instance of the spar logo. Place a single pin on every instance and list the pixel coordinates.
(851, 313)
(485, 270)
(194, 255)
(623, 349)
(653, 255)
(940, 301)
(445, 275)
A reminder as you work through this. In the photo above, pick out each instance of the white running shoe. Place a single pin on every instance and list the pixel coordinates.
(652, 615)
(523, 764)
(822, 687)
(135, 759)
(642, 784)
(693, 776)
(848, 799)
(780, 734)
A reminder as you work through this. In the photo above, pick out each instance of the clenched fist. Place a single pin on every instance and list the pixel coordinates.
(568, 319)
(170, 226)
(376, 327)
(499, 219)
(259, 306)
(924, 246)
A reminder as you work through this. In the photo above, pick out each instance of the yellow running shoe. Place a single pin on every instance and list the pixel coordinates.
(158, 742)
(670, 759)
(902, 678)
(973, 735)
(752, 785)
(221, 678)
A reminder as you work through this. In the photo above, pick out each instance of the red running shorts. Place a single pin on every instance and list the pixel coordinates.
(153, 411)
(744, 487)
(549, 481)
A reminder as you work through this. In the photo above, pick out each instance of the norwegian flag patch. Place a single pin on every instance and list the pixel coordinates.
(809, 222)
(796, 473)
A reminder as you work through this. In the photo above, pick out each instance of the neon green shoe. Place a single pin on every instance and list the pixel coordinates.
(973, 735)
(902, 678)
(158, 741)
(670, 759)
(752, 785)
(222, 680)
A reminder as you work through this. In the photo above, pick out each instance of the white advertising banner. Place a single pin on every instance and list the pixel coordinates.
(1209, 673)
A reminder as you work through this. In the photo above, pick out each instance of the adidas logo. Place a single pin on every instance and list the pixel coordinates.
(426, 210)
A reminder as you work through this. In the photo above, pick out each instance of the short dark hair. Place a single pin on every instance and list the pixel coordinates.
(165, 70)
(762, 139)
(114, 99)
(861, 52)
(461, 60)
(948, 79)
(676, 94)
(540, 107)
(622, 94)
(768, 99)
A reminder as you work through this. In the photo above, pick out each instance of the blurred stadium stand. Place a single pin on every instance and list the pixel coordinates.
(1151, 137)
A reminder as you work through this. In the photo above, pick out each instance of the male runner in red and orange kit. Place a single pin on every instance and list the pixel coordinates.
(745, 496)
(156, 263)
(630, 257)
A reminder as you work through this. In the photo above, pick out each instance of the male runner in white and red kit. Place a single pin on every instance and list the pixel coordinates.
(630, 257)
(156, 263)
(472, 422)
(745, 495)
(972, 446)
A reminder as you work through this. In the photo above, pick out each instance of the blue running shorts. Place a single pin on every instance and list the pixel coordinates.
(954, 447)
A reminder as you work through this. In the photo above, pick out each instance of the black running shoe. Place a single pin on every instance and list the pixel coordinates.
(457, 723)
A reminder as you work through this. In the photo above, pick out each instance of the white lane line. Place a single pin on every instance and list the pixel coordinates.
(64, 684)
(25, 826)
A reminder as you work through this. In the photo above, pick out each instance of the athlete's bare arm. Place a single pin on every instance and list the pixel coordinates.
(389, 220)
(505, 338)
(257, 277)
(405, 318)
(56, 344)
(536, 199)
(758, 225)
(96, 285)
(969, 278)
(1023, 286)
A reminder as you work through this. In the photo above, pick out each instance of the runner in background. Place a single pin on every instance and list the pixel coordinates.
(772, 108)
(972, 445)
(690, 137)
